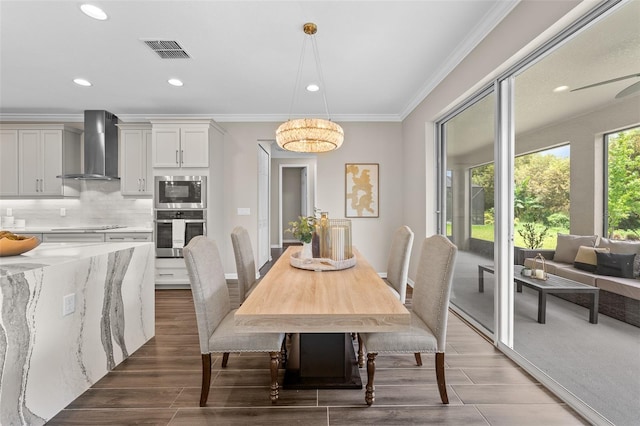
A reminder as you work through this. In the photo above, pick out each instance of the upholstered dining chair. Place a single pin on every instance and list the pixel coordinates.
(397, 271)
(215, 316)
(245, 263)
(429, 315)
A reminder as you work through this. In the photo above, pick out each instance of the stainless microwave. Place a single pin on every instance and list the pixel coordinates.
(180, 192)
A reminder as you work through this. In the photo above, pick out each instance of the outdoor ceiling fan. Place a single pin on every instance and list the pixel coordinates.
(635, 87)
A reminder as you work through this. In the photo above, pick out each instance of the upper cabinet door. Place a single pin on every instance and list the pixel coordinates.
(51, 149)
(166, 147)
(30, 162)
(133, 151)
(194, 150)
(8, 162)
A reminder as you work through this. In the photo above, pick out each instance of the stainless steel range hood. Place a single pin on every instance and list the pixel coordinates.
(100, 147)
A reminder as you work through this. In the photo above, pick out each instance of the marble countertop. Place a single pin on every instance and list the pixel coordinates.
(49, 254)
(73, 229)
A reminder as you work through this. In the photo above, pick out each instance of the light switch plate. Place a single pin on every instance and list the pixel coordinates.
(244, 211)
(63, 211)
(9, 211)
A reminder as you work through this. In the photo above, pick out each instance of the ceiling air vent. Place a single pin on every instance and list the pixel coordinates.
(167, 49)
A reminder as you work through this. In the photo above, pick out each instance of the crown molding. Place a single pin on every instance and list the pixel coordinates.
(217, 118)
(476, 35)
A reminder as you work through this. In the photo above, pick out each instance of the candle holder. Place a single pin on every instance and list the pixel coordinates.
(340, 239)
(539, 269)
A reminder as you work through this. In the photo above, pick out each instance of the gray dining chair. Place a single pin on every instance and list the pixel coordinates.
(428, 329)
(215, 317)
(245, 263)
(397, 271)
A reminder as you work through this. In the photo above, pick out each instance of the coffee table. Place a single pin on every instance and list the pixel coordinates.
(552, 285)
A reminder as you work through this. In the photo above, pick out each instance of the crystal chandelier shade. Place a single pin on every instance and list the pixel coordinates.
(310, 134)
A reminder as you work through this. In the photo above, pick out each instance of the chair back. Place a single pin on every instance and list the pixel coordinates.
(432, 287)
(208, 286)
(398, 264)
(245, 263)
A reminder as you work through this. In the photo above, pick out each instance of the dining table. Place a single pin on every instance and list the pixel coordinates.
(320, 310)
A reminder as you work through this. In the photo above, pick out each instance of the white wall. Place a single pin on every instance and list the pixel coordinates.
(364, 143)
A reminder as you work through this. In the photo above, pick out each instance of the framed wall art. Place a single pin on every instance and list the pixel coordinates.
(362, 198)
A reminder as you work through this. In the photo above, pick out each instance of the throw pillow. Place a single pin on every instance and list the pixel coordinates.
(615, 265)
(624, 247)
(567, 246)
(586, 258)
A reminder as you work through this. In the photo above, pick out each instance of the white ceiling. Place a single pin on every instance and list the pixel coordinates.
(607, 49)
(379, 58)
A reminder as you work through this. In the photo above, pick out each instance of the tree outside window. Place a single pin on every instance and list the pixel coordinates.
(623, 189)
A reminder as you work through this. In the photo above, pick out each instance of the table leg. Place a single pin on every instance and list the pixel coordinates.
(518, 286)
(480, 279)
(542, 306)
(593, 312)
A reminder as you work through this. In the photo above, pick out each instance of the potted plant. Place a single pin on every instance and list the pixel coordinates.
(302, 230)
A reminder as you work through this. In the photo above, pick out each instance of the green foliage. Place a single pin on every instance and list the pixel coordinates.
(489, 216)
(526, 205)
(303, 228)
(483, 176)
(624, 181)
(548, 181)
(533, 235)
(558, 220)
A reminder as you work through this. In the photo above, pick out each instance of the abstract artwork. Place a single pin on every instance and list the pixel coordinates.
(361, 190)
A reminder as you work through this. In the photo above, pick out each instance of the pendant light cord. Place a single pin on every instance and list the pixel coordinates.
(298, 78)
(320, 76)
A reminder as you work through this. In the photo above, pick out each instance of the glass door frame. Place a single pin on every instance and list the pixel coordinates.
(504, 149)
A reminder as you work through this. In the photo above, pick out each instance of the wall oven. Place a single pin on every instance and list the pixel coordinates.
(180, 192)
(175, 228)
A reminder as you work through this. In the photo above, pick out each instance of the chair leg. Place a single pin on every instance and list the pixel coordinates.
(206, 379)
(225, 359)
(418, 359)
(370, 395)
(442, 385)
(275, 360)
(360, 352)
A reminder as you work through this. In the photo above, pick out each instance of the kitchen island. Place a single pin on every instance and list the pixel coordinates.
(70, 312)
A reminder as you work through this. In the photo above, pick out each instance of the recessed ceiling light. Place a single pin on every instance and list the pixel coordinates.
(93, 11)
(175, 82)
(561, 89)
(313, 87)
(82, 82)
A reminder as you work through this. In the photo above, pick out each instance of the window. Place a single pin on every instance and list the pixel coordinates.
(622, 215)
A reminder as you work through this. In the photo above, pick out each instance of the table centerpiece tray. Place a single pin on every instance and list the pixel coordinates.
(321, 263)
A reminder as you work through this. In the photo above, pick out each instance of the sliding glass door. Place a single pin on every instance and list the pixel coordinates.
(534, 157)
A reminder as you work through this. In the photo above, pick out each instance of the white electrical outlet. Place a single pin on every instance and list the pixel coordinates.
(68, 304)
(63, 211)
(244, 211)
(9, 212)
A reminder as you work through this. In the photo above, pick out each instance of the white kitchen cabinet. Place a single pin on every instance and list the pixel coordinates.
(136, 173)
(40, 161)
(33, 156)
(120, 237)
(178, 145)
(171, 273)
(9, 162)
(73, 237)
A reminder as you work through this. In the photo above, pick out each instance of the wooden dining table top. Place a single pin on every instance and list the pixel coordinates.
(293, 300)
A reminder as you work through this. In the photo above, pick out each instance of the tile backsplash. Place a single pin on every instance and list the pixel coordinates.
(100, 203)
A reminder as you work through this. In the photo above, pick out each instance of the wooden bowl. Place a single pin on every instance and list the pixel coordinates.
(15, 247)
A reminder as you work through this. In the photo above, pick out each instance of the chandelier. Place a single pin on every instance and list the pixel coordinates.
(310, 134)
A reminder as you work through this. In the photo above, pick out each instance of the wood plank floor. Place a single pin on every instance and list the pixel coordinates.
(160, 384)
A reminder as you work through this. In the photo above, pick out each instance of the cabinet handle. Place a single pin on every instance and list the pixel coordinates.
(177, 160)
(181, 157)
(144, 184)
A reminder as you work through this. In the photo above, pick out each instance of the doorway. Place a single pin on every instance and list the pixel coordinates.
(293, 197)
